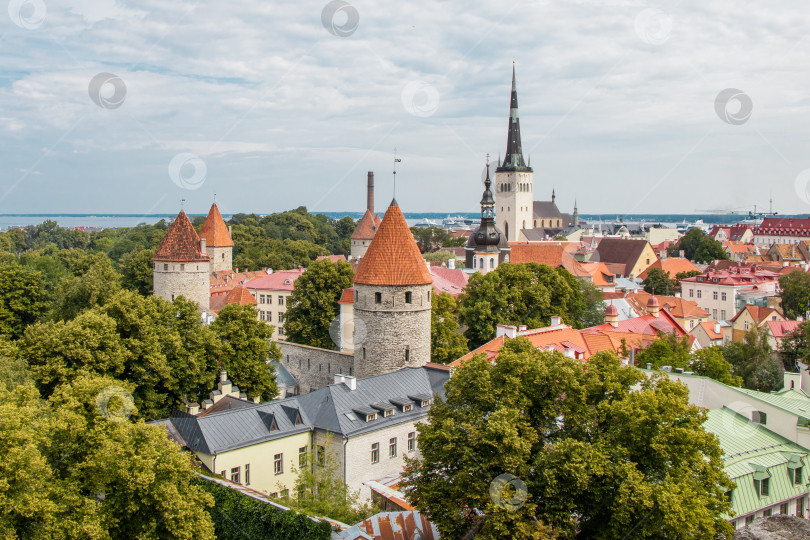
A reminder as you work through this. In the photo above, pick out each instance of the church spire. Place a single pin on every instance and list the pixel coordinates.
(514, 151)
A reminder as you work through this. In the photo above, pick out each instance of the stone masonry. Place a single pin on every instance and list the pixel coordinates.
(312, 367)
(394, 333)
(190, 280)
(221, 258)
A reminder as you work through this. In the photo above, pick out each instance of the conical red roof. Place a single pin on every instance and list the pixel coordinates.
(366, 228)
(214, 229)
(181, 242)
(393, 257)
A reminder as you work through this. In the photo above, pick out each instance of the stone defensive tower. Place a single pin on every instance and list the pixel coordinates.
(392, 294)
(514, 180)
(218, 243)
(181, 264)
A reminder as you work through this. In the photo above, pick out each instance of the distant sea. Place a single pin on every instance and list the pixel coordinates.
(106, 221)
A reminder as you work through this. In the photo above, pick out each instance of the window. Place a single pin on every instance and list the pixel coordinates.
(714, 314)
(247, 474)
(392, 447)
(407, 353)
(425, 403)
(474, 262)
(749, 520)
(261, 299)
(274, 495)
(492, 263)
(280, 330)
(714, 295)
(165, 267)
(691, 324)
(375, 452)
(407, 408)
(269, 299)
(370, 417)
(759, 417)
(746, 325)
(783, 508)
(408, 297)
(699, 293)
(800, 507)
(723, 314)
(222, 474)
(302, 457)
(280, 316)
(278, 463)
(411, 441)
(796, 474)
(269, 316)
(388, 412)
(762, 487)
(723, 296)
(481, 263)
(767, 512)
(378, 298)
(182, 267)
(428, 296)
(280, 300)
(285, 493)
(235, 475)
(321, 455)
(691, 293)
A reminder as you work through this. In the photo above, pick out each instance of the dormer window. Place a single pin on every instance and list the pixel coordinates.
(762, 487)
(371, 417)
(407, 408)
(389, 412)
(425, 403)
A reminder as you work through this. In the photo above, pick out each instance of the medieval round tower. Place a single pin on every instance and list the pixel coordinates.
(181, 264)
(392, 299)
(218, 243)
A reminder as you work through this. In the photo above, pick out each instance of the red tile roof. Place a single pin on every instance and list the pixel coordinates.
(347, 296)
(708, 327)
(780, 329)
(223, 281)
(214, 229)
(333, 258)
(393, 257)
(673, 265)
(679, 307)
(181, 243)
(366, 228)
(450, 280)
(240, 295)
(280, 280)
(757, 313)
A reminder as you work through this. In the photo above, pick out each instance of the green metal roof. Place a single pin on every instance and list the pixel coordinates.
(752, 451)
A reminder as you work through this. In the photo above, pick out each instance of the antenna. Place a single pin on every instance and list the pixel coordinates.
(396, 160)
(182, 204)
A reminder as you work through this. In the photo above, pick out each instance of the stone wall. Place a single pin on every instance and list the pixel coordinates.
(189, 279)
(394, 333)
(359, 248)
(314, 368)
(221, 258)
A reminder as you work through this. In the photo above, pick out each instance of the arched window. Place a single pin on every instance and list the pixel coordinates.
(474, 262)
(492, 263)
(481, 262)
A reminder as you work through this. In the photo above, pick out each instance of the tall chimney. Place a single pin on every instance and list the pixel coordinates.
(370, 196)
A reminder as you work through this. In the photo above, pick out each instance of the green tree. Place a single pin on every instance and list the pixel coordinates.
(441, 256)
(312, 306)
(22, 299)
(14, 370)
(755, 362)
(659, 282)
(524, 293)
(447, 343)
(795, 346)
(666, 350)
(795, 293)
(74, 467)
(594, 312)
(93, 287)
(597, 458)
(136, 271)
(320, 490)
(247, 349)
(711, 363)
(697, 246)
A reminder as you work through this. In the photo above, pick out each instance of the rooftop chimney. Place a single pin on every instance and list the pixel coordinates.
(451, 263)
(350, 381)
(556, 320)
(370, 196)
(505, 330)
(202, 245)
(717, 328)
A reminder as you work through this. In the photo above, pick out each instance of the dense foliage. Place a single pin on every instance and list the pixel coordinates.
(795, 294)
(312, 308)
(585, 453)
(526, 293)
(698, 247)
(237, 516)
(447, 343)
(431, 239)
(659, 282)
(73, 467)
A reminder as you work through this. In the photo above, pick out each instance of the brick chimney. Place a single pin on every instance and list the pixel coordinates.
(370, 195)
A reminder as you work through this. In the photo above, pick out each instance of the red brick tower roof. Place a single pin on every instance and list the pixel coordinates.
(366, 228)
(214, 229)
(181, 242)
(393, 257)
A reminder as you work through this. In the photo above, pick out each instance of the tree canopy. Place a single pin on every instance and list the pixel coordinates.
(524, 293)
(447, 343)
(539, 445)
(312, 306)
(795, 294)
(698, 247)
(659, 282)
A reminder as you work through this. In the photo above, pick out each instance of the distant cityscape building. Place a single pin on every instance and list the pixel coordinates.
(487, 246)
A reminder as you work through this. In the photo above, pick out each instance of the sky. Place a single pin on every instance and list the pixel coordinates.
(628, 107)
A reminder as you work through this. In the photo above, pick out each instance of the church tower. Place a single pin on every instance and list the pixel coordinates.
(218, 243)
(392, 289)
(487, 247)
(514, 180)
(181, 264)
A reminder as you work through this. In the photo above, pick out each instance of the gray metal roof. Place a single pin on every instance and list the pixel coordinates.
(283, 377)
(332, 408)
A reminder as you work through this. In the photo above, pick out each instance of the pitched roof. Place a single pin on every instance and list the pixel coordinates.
(181, 242)
(450, 280)
(546, 209)
(366, 228)
(620, 250)
(780, 329)
(347, 296)
(757, 313)
(333, 258)
(214, 229)
(240, 295)
(708, 327)
(673, 265)
(677, 306)
(393, 257)
(553, 254)
(280, 280)
(223, 281)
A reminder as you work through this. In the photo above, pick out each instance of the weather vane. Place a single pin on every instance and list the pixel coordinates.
(182, 204)
(396, 160)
